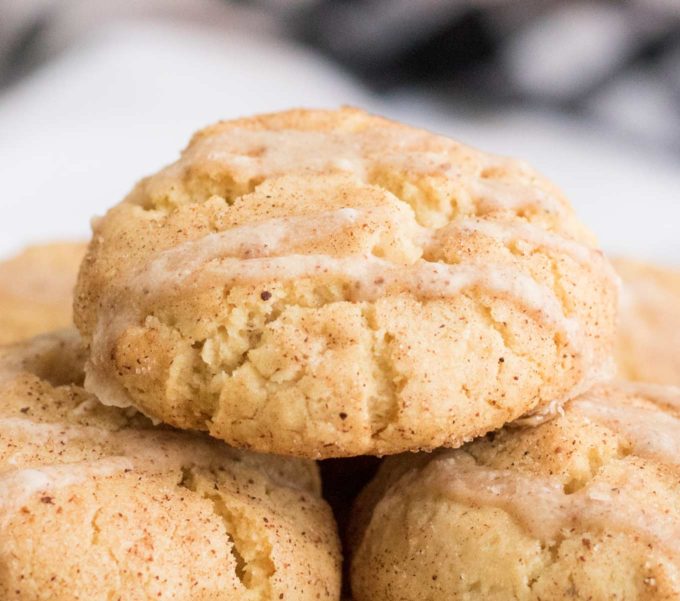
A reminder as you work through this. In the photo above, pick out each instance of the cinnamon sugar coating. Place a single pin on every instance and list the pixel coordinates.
(97, 504)
(330, 283)
(584, 506)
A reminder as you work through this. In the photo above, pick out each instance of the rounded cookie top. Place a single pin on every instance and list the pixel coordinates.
(648, 344)
(96, 503)
(583, 506)
(330, 283)
(36, 289)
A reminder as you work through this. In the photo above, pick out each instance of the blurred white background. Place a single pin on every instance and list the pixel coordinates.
(117, 89)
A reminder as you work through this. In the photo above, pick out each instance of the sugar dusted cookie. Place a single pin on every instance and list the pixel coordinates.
(97, 504)
(583, 506)
(648, 345)
(36, 289)
(329, 283)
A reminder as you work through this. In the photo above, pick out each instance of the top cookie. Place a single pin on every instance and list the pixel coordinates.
(36, 289)
(648, 345)
(330, 283)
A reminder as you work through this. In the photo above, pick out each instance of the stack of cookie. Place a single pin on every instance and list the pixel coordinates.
(329, 284)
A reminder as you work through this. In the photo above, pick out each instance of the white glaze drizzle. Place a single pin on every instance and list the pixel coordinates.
(659, 394)
(541, 506)
(150, 451)
(285, 152)
(368, 278)
(254, 155)
(259, 239)
(17, 487)
(652, 433)
(493, 195)
(280, 234)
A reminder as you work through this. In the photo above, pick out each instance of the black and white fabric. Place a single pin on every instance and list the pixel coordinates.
(617, 61)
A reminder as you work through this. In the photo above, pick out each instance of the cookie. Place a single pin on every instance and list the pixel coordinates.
(648, 345)
(36, 290)
(97, 504)
(330, 283)
(583, 506)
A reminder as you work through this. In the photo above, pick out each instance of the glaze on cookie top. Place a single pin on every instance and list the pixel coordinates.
(649, 433)
(583, 506)
(257, 155)
(96, 503)
(542, 507)
(294, 268)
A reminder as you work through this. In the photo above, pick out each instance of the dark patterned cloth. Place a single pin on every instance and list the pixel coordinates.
(616, 61)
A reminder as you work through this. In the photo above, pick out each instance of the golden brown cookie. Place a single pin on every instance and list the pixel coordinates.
(329, 283)
(36, 289)
(585, 506)
(97, 504)
(648, 345)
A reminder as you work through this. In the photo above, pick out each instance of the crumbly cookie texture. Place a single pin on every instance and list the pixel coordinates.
(584, 507)
(97, 504)
(330, 283)
(648, 345)
(36, 289)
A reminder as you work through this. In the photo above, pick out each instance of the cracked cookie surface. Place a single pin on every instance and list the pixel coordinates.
(584, 506)
(330, 283)
(97, 504)
(36, 289)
